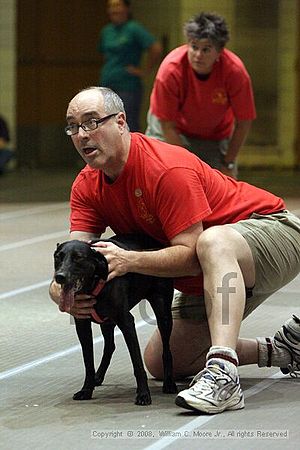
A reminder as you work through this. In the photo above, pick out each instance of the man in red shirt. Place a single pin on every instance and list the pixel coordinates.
(202, 97)
(229, 246)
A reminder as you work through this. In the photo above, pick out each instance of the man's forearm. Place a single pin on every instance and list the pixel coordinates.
(177, 261)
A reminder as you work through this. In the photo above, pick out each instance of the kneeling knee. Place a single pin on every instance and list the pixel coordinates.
(212, 245)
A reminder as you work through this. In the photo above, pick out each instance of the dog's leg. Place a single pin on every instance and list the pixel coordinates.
(162, 310)
(127, 326)
(107, 329)
(85, 335)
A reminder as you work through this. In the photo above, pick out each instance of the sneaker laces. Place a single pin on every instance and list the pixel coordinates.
(210, 374)
(197, 384)
(292, 369)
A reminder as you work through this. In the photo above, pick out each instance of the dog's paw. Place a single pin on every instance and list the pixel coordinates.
(84, 394)
(169, 387)
(143, 399)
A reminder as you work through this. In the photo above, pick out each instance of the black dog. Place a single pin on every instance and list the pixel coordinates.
(81, 269)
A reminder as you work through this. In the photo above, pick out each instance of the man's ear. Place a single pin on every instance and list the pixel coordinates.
(121, 120)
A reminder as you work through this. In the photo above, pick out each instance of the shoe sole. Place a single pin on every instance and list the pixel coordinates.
(180, 401)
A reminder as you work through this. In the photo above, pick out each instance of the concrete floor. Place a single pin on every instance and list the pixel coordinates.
(41, 365)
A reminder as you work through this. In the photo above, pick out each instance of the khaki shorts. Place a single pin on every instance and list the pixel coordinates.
(209, 151)
(274, 240)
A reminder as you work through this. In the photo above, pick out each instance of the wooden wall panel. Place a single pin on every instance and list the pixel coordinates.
(56, 58)
(297, 66)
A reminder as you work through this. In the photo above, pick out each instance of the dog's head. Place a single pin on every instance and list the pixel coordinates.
(78, 268)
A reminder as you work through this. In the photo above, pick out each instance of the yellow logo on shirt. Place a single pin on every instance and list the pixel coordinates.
(138, 192)
(219, 96)
(142, 208)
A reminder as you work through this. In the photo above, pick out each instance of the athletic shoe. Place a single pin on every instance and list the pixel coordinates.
(288, 337)
(212, 391)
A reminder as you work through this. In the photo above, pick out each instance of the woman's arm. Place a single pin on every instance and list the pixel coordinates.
(170, 133)
(153, 57)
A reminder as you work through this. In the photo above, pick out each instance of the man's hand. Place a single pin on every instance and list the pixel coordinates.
(82, 307)
(83, 304)
(117, 258)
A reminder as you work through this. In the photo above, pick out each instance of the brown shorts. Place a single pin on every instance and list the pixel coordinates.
(274, 240)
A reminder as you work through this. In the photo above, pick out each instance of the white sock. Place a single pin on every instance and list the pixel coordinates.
(224, 355)
(269, 354)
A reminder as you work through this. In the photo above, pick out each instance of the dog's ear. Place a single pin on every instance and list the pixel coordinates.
(58, 248)
(102, 265)
(61, 245)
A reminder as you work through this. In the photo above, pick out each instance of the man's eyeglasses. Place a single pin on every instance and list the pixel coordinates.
(88, 125)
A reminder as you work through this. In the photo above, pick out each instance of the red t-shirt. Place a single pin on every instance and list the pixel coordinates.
(203, 109)
(163, 190)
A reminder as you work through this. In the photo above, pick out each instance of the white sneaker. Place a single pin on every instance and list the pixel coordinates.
(212, 391)
(288, 337)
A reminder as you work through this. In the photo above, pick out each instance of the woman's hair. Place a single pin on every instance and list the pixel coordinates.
(207, 26)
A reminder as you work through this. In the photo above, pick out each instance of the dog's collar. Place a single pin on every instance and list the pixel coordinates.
(96, 291)
(98, 287)
(97, 318)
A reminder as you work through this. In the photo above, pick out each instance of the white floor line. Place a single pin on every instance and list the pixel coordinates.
(42, 238)
(24, 289)
(201, 420)
(264, 384)
(53, 356)
(48, 207)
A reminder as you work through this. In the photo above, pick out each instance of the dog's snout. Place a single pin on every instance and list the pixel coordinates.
(60, 278)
